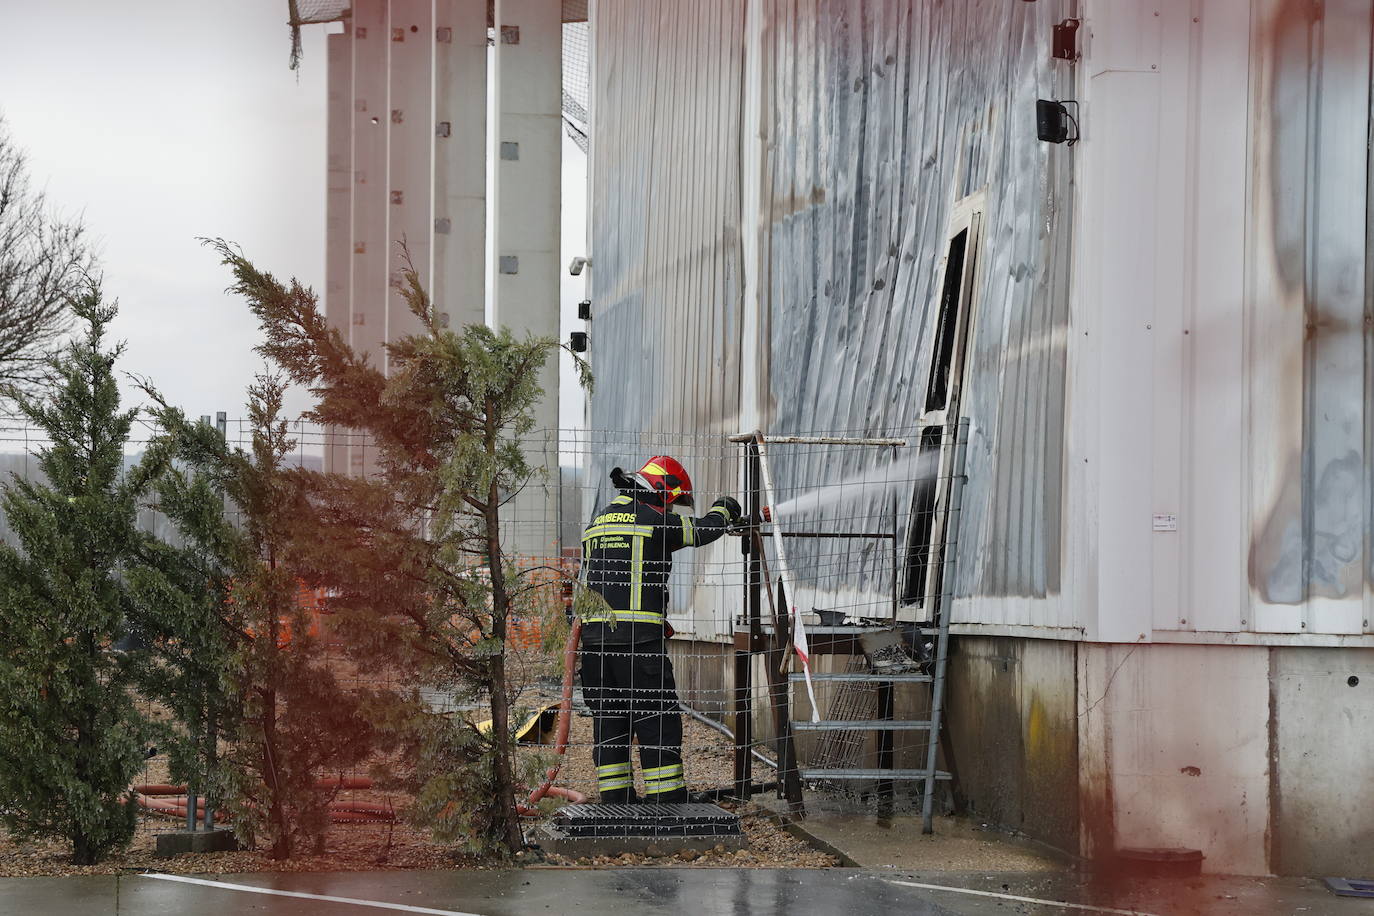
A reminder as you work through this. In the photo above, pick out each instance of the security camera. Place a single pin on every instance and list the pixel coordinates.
(575, 268)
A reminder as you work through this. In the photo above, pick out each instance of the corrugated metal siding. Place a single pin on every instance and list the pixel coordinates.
(882, 115)
(1311, 353)
(1230, 360)
(1225, 253)
(666, 281)
(876, 118)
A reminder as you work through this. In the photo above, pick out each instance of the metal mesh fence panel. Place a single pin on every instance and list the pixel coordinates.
(577, 103)
(722, 707)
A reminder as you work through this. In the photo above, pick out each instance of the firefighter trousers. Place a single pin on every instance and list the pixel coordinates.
(631, 693)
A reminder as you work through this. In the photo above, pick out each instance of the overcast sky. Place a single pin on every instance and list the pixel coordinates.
(166, 121)
(163, 121)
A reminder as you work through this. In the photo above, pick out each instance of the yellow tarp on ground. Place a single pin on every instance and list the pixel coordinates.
(540, 723)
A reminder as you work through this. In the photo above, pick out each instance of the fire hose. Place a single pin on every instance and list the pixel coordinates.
(170, 801)
(547, 788)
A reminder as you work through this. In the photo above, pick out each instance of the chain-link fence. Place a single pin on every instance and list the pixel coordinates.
(849, 530)
(577, 101)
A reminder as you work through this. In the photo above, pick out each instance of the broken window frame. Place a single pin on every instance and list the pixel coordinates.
(950, 346)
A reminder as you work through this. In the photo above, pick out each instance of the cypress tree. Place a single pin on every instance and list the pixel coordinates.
(413, 553)
(184, 608)
(72, 736)
(241, 661)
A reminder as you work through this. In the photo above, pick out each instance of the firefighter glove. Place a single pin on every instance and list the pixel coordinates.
(731, 507)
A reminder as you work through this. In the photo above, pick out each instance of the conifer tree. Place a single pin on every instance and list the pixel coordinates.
(283, 716)
(183, 604)
(413, 553)
(72, 736)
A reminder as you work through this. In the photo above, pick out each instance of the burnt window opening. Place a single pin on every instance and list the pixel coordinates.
(920, 581)
(922, 523)
(937, 391)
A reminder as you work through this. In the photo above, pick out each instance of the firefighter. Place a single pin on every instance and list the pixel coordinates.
(627, 678)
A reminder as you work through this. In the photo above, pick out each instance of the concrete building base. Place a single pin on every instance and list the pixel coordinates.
(1255, 755)
(216, 840)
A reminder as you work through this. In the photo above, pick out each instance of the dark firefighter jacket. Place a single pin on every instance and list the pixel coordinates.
(627, 554)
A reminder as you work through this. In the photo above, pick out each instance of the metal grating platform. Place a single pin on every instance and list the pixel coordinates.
(654, 821)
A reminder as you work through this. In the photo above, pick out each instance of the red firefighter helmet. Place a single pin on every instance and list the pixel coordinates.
(669, 478)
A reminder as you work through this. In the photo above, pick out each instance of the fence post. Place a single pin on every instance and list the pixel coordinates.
(949, 557)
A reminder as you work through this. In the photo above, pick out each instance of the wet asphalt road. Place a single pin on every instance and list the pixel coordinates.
(642, 892)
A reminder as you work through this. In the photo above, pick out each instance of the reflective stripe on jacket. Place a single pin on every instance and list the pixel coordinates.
(627, 556)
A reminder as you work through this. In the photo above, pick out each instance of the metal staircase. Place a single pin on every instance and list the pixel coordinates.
(861, 697)
(862, 706)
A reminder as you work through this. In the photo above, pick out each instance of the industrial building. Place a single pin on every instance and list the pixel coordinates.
(1150, 221)
(1163, 602)
(413, 85)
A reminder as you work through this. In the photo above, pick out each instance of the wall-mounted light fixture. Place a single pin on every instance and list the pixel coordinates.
(577, 341)
(579, 262)
(1052, 121)
(584, 310)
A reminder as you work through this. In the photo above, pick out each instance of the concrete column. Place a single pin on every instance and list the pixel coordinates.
(529, 45)
(338, 207)
(410, 162)
(371, 116)
(460, 161)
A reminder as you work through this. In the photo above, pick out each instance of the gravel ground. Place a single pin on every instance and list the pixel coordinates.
(709, 758)
(710, 764)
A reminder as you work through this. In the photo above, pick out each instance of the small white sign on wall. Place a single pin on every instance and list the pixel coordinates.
(1165, 522)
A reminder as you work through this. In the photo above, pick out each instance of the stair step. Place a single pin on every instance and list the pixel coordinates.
(871, 774)
(861, 676)
(826, 725)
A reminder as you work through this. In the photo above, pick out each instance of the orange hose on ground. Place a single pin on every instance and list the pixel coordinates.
(561, 734)
(340, 811)
(354, 812)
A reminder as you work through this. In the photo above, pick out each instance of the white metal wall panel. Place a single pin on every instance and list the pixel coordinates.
(1308, 347)
(1213, 536)
(1170, 65)
(1121, 202)
(1125, 106)
(1275, 326)
(1196, 323)
(1224, 353)
(1337, 417)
